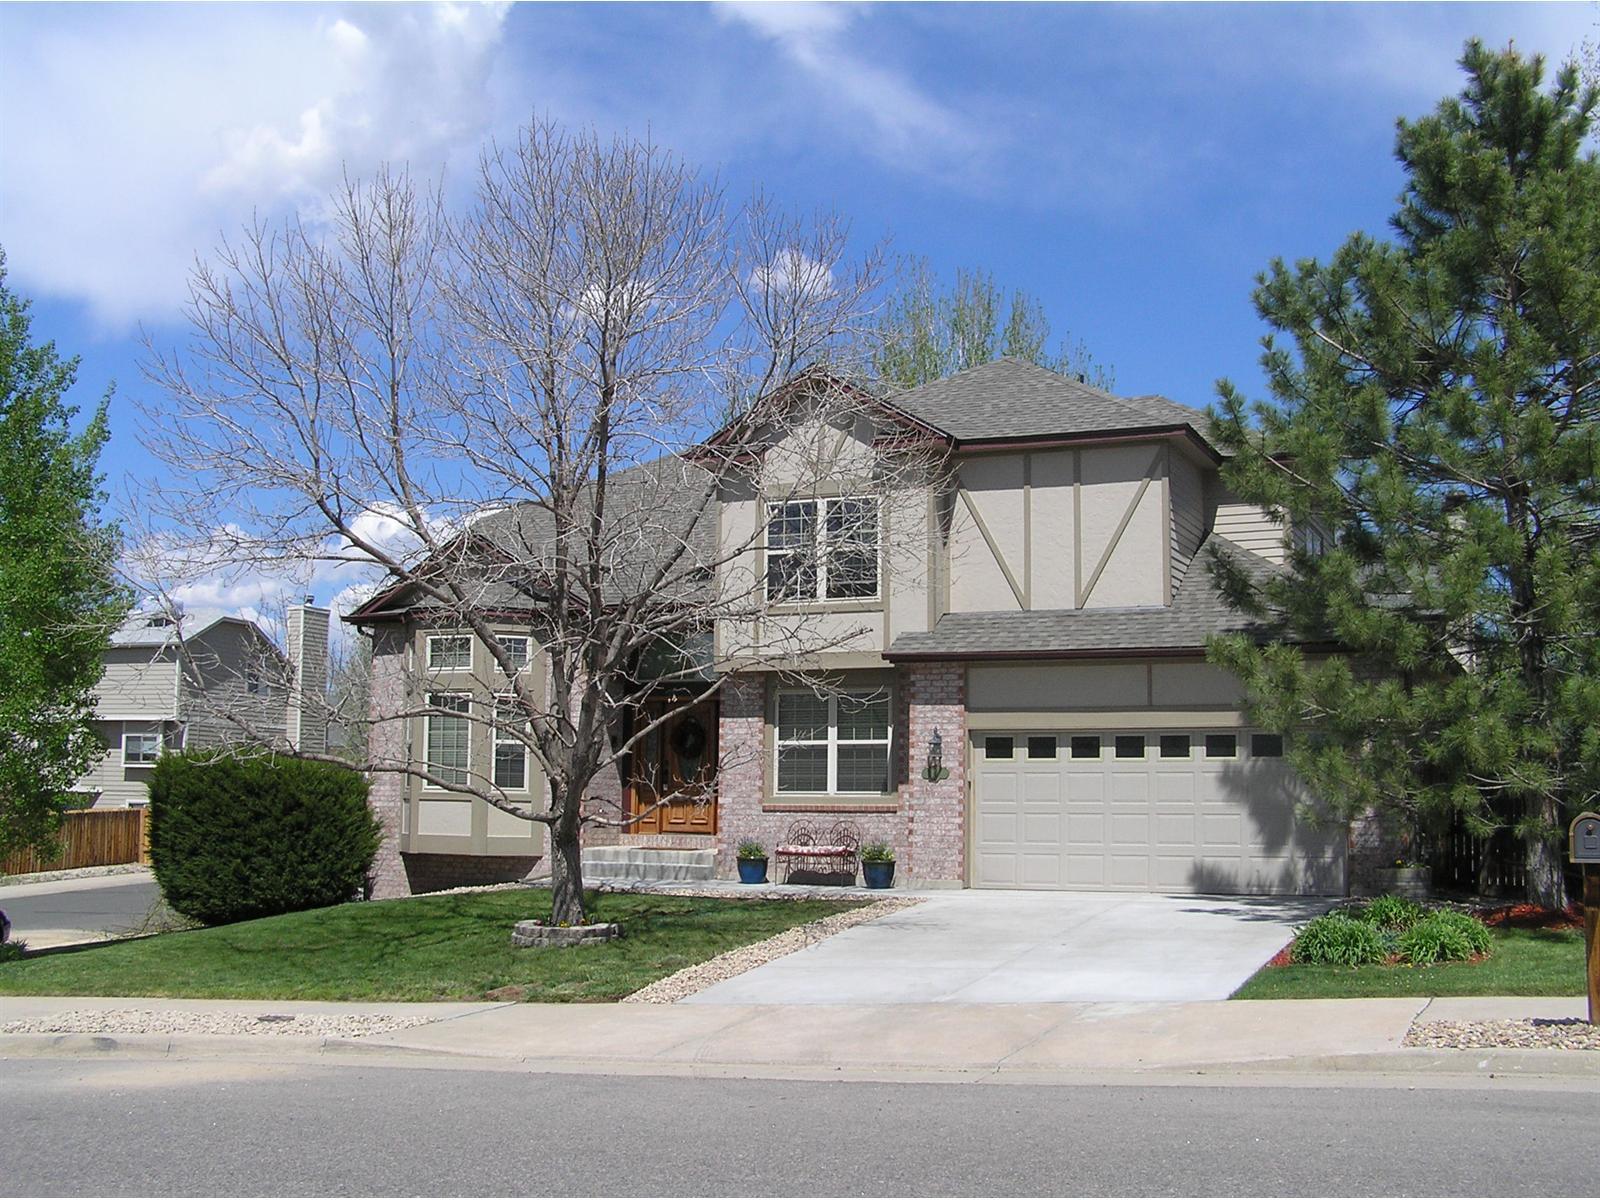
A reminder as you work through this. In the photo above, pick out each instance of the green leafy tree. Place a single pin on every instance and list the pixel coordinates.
(929, 331)
(58, 597)
(1437, 419)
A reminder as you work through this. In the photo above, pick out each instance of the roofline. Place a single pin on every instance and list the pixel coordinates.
(1081, 653)
(1045, 441)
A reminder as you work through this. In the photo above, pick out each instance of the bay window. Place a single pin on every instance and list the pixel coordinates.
(449, 737)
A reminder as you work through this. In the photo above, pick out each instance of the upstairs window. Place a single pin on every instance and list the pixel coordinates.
(516, 648)
(141, 747)
(822, 550)
(450, 653)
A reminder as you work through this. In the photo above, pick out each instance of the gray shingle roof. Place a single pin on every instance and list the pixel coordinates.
(1012, 398)
(1198, 610)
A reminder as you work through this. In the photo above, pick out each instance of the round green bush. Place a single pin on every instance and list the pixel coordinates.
(1339, 940)
(1443, 936)
(1391, 912)
(233, 838)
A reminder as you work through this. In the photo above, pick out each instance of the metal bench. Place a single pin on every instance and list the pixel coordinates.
(807, 847)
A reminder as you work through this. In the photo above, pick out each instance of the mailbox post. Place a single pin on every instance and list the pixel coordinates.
(1583, 847)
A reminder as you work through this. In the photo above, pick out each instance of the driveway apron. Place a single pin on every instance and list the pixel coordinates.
(1001, 947)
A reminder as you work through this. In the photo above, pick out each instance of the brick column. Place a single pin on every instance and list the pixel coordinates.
(386, 742)
(935, 812)
(741, 767)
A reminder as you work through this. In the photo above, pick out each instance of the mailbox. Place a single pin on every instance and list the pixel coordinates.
(1583, 845)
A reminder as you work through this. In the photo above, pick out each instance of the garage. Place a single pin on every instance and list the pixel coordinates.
(1148, 810)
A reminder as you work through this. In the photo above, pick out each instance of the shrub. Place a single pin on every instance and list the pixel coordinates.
(235, 838)
(752, 850)
(1391, 912)
(1443, 936)
(877, 852)
(1339, 940)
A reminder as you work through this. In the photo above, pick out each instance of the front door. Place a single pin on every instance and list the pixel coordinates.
(674, 780)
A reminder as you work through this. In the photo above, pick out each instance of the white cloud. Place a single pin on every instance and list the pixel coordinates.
(908, 126)
(134, 136)
(793, 272)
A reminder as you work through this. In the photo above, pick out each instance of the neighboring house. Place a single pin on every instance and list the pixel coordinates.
(1049, 636)
(167, 688)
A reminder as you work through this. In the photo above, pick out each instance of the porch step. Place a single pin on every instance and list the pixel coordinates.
(637, 864)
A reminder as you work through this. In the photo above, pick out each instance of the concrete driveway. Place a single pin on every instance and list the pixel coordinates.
(66, 911)
(997, 947)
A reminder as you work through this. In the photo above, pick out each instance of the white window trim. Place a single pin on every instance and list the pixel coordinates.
(833, 741)
(819, 549)
(527, 644)
(141, 733)
(428, 764)
(440, 637)
(496, 741)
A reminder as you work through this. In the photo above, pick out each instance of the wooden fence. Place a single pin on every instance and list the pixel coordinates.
(90, 837)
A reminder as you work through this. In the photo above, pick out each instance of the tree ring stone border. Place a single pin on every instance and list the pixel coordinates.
(533, 933)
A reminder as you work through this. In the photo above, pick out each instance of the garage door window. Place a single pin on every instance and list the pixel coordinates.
(1266, 745)
(998, 748)
(1130, 746)
(833, 744)
(1174, 745)
(1222, 745)
(1042, 747)
(1085, 746)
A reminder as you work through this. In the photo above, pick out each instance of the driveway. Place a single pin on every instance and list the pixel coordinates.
(997, 947)
(65, 911)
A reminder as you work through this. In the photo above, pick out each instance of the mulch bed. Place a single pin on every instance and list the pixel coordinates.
(1532, 916)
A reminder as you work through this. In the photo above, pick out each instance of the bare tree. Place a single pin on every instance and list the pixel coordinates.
(524, 393)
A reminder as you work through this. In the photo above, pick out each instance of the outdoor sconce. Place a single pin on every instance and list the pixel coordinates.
(935, 769)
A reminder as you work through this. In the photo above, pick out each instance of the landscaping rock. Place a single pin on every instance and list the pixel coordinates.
(286, 1024)
(535, 933)
(736, 962)
(1569, 1033)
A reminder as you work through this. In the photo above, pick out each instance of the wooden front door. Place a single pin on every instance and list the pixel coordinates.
(673, 788)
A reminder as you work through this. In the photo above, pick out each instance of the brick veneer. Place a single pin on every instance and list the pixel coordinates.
(387, 743)
(928, 827)
(436, 872)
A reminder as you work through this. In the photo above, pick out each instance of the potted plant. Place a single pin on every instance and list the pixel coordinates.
(752, 862)
(877, 864)
(1406, 877)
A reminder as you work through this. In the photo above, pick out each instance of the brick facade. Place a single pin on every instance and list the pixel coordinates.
(386, 794)
(437, 872)
(934, 698)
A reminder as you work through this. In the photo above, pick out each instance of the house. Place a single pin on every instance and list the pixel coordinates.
(168, 688)
(1018, 696)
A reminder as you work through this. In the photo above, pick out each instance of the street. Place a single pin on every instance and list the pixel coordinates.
(211, 1126)
(72, 910)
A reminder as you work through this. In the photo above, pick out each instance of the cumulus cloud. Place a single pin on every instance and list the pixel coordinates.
(135, 135)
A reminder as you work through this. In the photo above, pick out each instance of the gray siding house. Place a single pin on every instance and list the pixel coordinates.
(1040, 611)
(167, 688)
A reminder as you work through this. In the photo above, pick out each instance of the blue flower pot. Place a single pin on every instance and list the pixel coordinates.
(752, 870)
(878, 874)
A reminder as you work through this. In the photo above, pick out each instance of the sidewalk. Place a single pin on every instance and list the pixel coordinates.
(1022, 1043)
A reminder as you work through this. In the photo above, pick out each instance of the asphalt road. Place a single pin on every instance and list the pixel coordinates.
(104, 904)
(75, 1127)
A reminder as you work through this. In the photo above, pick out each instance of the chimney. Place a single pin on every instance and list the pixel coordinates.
(306, 719)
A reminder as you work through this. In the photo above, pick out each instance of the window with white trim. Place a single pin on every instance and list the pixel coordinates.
(833, 745)
(510, 752)
(822, 549)
(140, 747)
(517, 649)
(450, 652)
(449, 737)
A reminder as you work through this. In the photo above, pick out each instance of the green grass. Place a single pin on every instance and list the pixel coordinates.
(432, 948)
(1524, 962)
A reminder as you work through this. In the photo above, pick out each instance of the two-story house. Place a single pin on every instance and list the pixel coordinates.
(165, 687)
(1017, 695)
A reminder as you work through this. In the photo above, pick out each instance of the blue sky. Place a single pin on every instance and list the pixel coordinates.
(1132, 165)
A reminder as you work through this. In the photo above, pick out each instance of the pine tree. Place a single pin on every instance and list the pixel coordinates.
(58, 596)
(929, 331)
(1437, 419)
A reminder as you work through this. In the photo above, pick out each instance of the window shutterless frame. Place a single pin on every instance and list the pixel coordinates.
(140, 748)
(510, 753)
(447, 738)
(449, 652)
(814, 735)
(823, 550)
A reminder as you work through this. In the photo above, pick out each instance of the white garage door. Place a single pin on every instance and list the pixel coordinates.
(1158, 811)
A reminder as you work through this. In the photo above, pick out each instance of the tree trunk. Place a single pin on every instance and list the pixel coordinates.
(566, 865)
(1547, 884)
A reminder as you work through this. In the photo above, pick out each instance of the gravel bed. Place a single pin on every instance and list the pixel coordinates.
(1568, 1033)
(727, 889)
(138, 1020)
(75, 873)
(736, 962)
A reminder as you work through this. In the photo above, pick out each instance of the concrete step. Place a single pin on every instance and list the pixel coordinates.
(647, 864)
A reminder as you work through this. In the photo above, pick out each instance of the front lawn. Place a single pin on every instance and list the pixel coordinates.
(1524, 962)
(432, 948)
